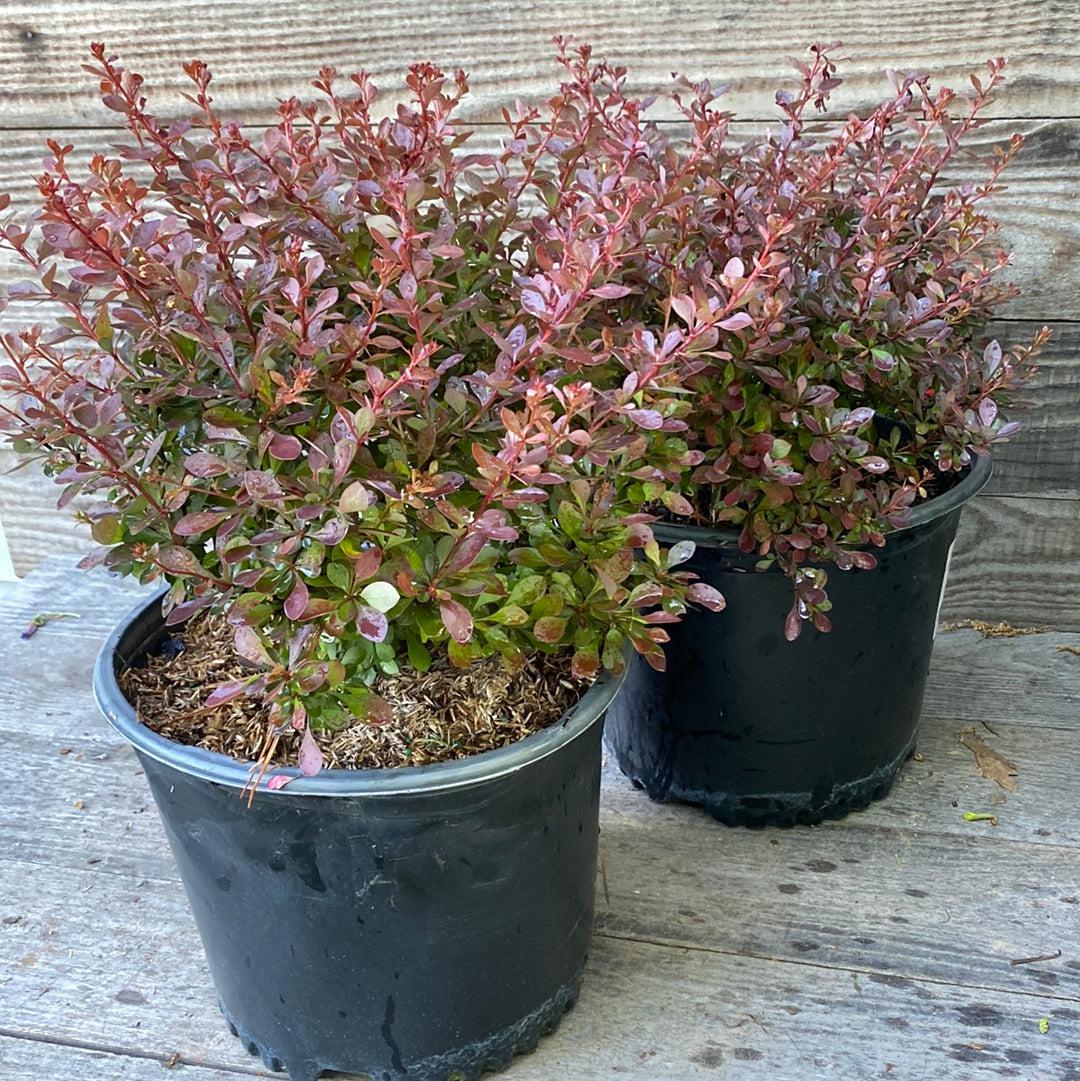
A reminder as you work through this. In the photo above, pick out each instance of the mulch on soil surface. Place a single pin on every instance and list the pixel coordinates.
(438, 715)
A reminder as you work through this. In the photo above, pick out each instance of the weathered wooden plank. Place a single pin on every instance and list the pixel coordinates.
(1005, 681)
(273, 50)
(646, 1010)
(1016, 559)
(39, 1060)
(904, 902)
(95, 957)
(1044, 457)
(34, 528)
(1037, 209)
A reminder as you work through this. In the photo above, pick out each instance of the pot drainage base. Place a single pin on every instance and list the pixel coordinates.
(783, 809)
(469, 1063)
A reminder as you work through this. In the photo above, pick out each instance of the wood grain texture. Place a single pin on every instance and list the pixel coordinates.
(646, 1012)
(1018, 679)
(270, 50)
(1017, 559)
(34, 528)
(1044, 457)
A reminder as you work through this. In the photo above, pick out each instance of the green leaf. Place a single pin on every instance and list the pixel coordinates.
(339, 576)
(382, 596)
(419, 657)
(613, 650)
(550, 604)
(512, 615)
(528, 590)
(106, 530)
(570, 518)
(354, 499)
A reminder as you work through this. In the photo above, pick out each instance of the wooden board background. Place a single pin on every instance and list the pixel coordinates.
(1019, 551)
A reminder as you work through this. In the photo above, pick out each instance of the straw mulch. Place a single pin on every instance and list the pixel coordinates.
(439, 715)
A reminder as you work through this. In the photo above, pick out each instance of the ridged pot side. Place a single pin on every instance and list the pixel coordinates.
(761, 731)
(411, 923)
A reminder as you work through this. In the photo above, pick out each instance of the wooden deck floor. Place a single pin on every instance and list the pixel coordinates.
(883, 946)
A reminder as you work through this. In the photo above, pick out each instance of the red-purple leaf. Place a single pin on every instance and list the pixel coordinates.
(367, 563)
(704, 594)
(467, 552)
(278, 781)
(611, 292)
(191, 525)
(646, 418)
(297, 600)
(262, 486)
(736, 321)
(179, 560)
(371, 624)
(285, 448)
(331, 532)
(873, 463)
(250, 646)
(457, 620)
(225, 692)
(202, 464)
(676, 503)
(317, 607)
(310, 759)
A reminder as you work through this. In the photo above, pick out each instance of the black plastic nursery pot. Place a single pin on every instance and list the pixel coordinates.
(424, 922)
(760, 731)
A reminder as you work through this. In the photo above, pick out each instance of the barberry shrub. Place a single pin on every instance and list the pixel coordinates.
(334, 379)
(844, 274)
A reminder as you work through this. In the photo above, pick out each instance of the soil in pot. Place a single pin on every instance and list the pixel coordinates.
(760, 731)
(408, 924)
(439, 715)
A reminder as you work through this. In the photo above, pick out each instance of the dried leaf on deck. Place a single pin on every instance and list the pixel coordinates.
(993, 765)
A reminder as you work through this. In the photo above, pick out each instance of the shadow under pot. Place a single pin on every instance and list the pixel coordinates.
(763, 732)
(419, 922)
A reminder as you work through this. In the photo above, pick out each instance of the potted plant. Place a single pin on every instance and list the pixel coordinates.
(845, 416)
(327, 383)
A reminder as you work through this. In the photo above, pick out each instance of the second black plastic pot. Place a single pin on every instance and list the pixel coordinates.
(422, 923)
(761, 731)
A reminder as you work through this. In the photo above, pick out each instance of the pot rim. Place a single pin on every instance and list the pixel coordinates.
(976, 477)
(387, 781)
